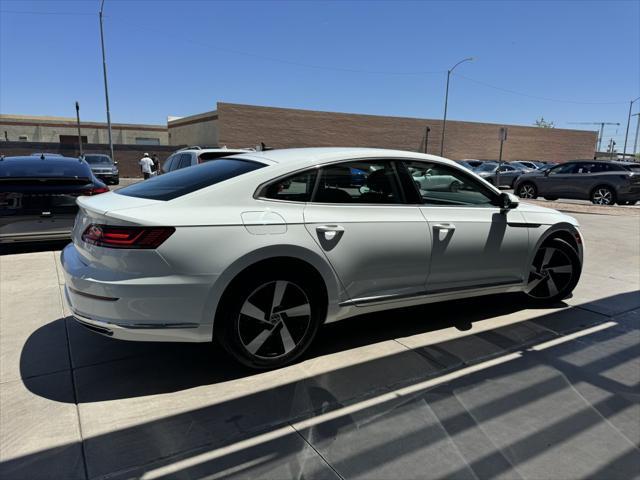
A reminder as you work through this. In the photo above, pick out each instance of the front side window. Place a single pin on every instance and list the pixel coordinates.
(187, 180)
(566, 168)
(166, 166)
(295, 188)
(443, 185)
(364, 182)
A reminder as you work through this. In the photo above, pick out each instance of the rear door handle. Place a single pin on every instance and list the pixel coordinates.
(445, 226)
(329, 231)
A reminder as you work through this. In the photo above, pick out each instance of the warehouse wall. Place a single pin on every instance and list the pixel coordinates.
(199, 130)
(49, 129)
(242, 125)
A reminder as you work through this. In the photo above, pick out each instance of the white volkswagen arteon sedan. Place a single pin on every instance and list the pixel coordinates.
(258, 250)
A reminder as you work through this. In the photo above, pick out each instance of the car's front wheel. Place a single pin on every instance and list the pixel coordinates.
(554, 272)
(527, 190)
(269, 319)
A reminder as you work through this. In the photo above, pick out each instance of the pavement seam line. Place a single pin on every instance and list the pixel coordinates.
(317, 452)
(71, 373)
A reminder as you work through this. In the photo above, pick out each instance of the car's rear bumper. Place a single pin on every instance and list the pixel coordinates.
(135, 306)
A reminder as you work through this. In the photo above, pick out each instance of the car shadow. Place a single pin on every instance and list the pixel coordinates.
(32, 247)
(134, 369)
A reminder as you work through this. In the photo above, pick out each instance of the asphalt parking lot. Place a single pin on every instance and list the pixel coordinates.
(484, 388)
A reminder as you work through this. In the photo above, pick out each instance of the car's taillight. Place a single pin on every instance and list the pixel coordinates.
(95, 191)
(126, 237)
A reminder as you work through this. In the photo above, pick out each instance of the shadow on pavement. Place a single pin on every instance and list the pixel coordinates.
(31, 247)
(133, 369)
(548, 397)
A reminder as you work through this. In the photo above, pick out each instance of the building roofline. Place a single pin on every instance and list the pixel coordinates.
(46, 121)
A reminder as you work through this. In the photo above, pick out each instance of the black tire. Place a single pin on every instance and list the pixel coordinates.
(554, 273)
(116, 181)
(527, 190)
(603, 195)
(278, 338)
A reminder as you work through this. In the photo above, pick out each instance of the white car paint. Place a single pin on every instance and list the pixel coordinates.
(381, 256)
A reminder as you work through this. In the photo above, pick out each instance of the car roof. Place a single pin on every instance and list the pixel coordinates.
(232, 151)
(301, 157)
(34, 159)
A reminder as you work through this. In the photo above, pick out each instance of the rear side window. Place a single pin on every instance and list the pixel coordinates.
(188, 180)
(606, 167)
(185, 161)
(296, 188)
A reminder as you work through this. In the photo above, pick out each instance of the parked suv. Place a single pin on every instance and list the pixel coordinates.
(190, 156)
(103, 167)
(604, 182)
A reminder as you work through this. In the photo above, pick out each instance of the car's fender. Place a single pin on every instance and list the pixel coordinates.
(335, 291)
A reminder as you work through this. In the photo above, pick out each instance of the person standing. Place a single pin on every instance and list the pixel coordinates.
(156, 164)
(146, 165)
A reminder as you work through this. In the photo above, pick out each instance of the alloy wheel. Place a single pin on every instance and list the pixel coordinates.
(603, 196)
(527, 191)
(274, 319)
(550, 273)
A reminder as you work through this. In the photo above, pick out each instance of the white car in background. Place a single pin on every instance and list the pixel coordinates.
(258, 250)
(191, 156)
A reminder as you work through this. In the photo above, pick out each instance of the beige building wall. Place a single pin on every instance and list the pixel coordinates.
(201, 129)
(49, 129)
(242, 125)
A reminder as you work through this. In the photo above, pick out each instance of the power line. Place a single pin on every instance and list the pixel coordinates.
(24, 12)
(513, 92)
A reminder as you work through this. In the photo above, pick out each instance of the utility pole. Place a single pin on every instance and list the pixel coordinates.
(106, 87)
(446, 101)
(426, 139)
(635, 142)
(79, 134)
(602, 124)
(503, 138)
(612, 145)
(624, 151)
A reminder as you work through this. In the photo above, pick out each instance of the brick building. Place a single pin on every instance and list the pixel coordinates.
(236, 125)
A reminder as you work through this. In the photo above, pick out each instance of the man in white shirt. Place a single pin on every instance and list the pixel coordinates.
(146, 165)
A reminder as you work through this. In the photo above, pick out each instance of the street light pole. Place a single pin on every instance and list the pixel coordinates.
(446, 101)
(106, 87)
(624, 151)
(426, 139)
(79, 133)
(635, 142)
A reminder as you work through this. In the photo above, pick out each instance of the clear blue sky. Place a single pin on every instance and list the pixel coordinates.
(581, 58)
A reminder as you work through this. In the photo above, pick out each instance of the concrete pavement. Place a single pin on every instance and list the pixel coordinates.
(483, 388)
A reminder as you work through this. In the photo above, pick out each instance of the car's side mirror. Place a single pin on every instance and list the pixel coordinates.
(508, 201)
(546, 173)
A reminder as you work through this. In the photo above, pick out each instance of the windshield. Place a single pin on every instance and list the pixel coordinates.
(487, 167)
(98, 159)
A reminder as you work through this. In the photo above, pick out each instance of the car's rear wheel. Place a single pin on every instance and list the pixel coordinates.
(603, 195)
(554, 272)
(527, 190)
(269, 319)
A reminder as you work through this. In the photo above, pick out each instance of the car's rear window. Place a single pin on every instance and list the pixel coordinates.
(22, 168)
(181, 182)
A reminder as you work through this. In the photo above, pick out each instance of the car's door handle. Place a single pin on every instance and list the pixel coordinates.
(330, 232)
(445, 226)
